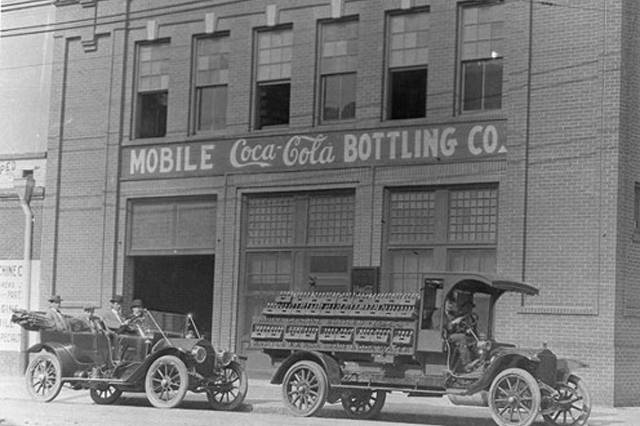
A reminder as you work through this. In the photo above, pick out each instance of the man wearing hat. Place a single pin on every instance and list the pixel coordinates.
(54, 314)
(113, 318)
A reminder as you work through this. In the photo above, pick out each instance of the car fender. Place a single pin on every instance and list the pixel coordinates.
(510, 359)
(141, 371)
(328, 363)
(68, 364)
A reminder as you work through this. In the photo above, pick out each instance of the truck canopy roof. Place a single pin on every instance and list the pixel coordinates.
(480, 283)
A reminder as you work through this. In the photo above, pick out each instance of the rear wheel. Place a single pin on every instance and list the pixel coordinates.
(363, 404)
(514, 398)
(229, 389)
(574, 404)
(305, 388)
(43, 377)
(105, 395)
(166, 382)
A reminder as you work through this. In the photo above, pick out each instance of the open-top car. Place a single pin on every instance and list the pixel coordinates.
(355, 348)
(163, 362)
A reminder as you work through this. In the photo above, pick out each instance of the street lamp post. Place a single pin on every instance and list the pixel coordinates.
(23, 188)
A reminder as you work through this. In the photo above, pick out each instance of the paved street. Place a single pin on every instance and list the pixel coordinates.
(262, 407)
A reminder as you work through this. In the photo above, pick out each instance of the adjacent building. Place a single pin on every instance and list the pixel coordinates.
(26, 47)
(206, 155)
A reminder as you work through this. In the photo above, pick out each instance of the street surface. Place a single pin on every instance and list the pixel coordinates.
(263, 406)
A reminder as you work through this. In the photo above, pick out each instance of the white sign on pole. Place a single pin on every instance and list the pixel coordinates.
(11, 290)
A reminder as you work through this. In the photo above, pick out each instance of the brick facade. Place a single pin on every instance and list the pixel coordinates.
(568, 174)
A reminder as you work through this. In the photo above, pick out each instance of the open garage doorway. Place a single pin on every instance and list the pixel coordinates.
(179, 284)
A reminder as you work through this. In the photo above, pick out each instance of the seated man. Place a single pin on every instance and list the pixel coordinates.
(56, 318)
(459, 318)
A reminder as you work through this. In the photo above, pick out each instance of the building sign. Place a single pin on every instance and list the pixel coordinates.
(394, 146)
(11, 283)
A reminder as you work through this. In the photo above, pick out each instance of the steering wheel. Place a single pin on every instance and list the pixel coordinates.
(467, 321)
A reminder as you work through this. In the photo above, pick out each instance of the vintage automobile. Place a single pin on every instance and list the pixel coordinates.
(355, 348)
(163, 362)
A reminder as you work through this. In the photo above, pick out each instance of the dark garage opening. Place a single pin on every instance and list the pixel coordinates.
(180, 284)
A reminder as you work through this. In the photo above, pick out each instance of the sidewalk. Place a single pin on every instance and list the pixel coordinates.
(266, 398)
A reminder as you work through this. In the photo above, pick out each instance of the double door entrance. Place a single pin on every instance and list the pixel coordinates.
(292, 242)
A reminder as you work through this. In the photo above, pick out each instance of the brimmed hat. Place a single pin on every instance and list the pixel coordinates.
(55, 299)
(117, 299)
(136, 303)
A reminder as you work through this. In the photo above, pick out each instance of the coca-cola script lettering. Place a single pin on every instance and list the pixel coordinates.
(305, 150)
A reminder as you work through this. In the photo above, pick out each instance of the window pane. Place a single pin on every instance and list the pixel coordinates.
(269, 271)
(212, 107)
(270, 221)
(152, 115)
(408, 95)
(472, 86)
(408, 268)
(153, 62)
(212, 58)
(339, 46)
(339, 97)
(412, 216)
(473, 215)
(274, 54)
(409, 38)
(331, 219)
(482, 28)
(273, 104)
(493, 84)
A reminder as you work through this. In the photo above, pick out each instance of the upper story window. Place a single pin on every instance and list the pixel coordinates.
(211, 83)
(152, 90)
(273, 77)
(481, 57)
(408, 65)
(338, 62)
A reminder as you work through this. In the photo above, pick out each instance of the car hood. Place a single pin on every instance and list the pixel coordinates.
(187, 344)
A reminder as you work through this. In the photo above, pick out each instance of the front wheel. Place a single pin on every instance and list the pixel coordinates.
(514, 398)
(305, 388)
(363, 404)
(43, 377)
(166, 382)
(229, 389)
(105, 395)
(573, 402)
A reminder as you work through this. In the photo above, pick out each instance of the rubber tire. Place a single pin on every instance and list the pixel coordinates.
(176, 363)
(374, 409)
(242, 390)
(96, 395)
(317, 373)
(534, 389)
(582, 389)
(53, 390)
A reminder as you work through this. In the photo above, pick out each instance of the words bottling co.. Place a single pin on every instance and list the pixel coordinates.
(333, 149)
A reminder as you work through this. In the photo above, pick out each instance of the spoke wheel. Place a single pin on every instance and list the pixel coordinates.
(305, 388)
(574, 404)
(362, 404)
(166, 382)
(514, 398)
(229, 389)
(105, 396)
(43, 377)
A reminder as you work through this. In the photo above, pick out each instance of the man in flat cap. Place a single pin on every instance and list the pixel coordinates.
(54, 314)
(114, 318)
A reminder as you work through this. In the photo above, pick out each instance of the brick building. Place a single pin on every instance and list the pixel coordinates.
(205, 155)
(25, 82)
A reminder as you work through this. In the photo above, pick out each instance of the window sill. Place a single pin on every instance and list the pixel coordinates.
(494, 114)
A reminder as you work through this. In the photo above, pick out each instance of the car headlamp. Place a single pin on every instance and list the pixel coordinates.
(199, 354)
